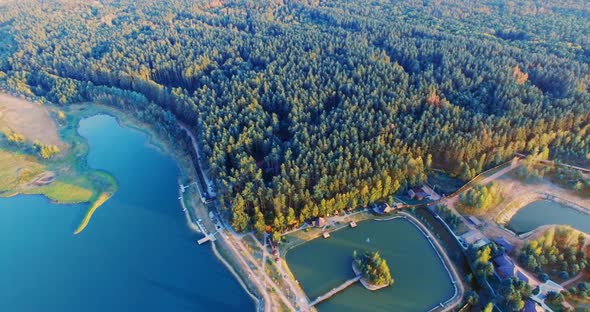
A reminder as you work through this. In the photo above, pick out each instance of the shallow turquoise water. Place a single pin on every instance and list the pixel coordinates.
(136, 254)
(545, 212)
(421, 281)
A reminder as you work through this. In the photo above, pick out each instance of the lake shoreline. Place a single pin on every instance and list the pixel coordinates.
(138, 233)
(124, 118)
(187, 171)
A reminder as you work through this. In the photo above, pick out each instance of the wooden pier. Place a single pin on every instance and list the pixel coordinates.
(206, 239)
(334, 291)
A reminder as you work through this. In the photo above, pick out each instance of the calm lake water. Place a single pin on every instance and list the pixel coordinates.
(545, 212)
(421, 281)
(137, 253)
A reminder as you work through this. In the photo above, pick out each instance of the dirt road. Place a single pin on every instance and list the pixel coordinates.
(253, 269)
(260, 276)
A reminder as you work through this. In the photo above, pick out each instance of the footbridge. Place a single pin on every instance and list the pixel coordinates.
(334, 291)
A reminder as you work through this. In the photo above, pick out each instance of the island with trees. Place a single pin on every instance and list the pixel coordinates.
(373, 270)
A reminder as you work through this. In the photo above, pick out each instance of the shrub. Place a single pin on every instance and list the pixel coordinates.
(554, 297)
(564, 275)
(543, 277)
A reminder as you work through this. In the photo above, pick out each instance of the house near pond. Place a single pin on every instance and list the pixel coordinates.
(502, 242)
(505, 268)
(319, 222)
(382, 208)
(418, 193)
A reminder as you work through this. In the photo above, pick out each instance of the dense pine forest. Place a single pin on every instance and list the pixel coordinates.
(306, 107)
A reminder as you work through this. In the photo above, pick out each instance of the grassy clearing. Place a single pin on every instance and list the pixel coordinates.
(578, 302)
(253, 248)
(444, 183)
(62, 192)
(16, 170)
(296, 238)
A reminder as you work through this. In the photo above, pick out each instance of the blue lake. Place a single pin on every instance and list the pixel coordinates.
(136, 254)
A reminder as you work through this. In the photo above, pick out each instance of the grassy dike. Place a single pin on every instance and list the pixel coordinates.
(102, 198)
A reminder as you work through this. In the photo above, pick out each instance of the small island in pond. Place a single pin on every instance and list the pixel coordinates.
(373, 270)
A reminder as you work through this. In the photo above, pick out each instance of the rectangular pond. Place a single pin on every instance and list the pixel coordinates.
(545, 212)
(421, 281)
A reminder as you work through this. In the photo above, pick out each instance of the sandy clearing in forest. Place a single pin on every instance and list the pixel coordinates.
(29, 119)
(517, 194)
(7, 1)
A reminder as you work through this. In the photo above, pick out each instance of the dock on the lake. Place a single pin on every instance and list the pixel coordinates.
(334, 291)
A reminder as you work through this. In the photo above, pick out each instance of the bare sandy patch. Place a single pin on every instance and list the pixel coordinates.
(517, 194)
(5, 2)
(29, 119)
(44, 178)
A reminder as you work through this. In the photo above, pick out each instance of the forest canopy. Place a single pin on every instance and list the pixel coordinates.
(307, 107)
